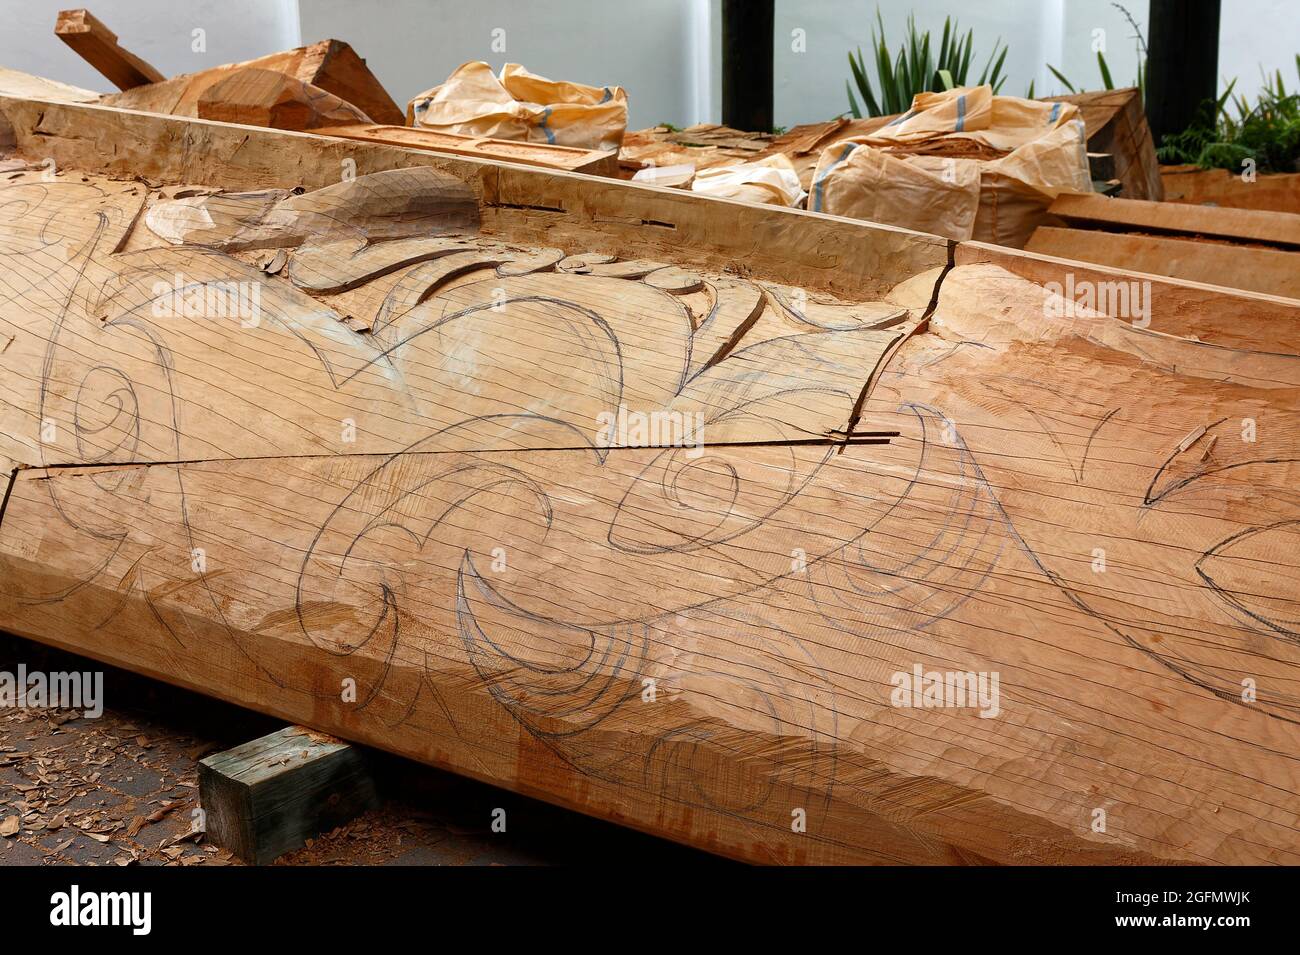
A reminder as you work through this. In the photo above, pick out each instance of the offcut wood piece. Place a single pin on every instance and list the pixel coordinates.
(98, 46)
(591, 161)
(1116, 123)
(1249, 225)
(17, 83)
(1274, 271)
(331, 65)
(270, 795)
(1273, 192)
(258, 97)
(703, 145)
(743, 648)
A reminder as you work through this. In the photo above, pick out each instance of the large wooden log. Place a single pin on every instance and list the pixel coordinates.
(387, 503)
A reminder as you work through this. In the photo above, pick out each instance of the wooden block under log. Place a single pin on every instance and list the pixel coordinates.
(270, 795)
(98, 46)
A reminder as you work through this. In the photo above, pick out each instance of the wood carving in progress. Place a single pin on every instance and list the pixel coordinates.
(947, 571)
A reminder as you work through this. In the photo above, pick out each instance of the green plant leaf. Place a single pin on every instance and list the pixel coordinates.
(997, 67)
(946, 78)
(1106, 81)
(1057, 73)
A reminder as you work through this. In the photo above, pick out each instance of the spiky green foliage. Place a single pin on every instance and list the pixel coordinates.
(1266, 132)
(916, 68)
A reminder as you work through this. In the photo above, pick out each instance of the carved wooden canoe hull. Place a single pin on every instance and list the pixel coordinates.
(797, 539)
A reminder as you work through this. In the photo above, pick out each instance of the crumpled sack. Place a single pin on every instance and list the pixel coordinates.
(522, 106)
(1000, 200)
(771, 181)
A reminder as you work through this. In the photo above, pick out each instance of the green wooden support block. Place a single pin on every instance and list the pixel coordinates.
(269, 796)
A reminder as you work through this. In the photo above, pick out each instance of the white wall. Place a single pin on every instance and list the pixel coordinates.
(664, 52)
(159, 31)
(1256, 33)
(810, 86)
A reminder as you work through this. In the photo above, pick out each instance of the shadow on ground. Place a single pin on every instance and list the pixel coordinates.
(122, 789)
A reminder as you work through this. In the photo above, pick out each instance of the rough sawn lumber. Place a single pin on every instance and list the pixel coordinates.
(98, 46)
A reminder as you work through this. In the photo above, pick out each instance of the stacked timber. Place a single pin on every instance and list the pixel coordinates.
(1249, 249)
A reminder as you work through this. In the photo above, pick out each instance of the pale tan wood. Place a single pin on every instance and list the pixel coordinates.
(1177, 306)
(1117, 124)
(1250, 225)
(500, 581)
(1273, 192)
(330, 65)
(394, 204)
(257, 97)
(852, 259)
(98, 46)
(17, 83)
(1273, 271)
(592, 161)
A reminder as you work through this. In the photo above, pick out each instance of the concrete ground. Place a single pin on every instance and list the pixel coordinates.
(122, 789)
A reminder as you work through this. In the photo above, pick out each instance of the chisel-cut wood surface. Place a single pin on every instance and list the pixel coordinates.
(256, 97)
(925, 576)
(596, 162)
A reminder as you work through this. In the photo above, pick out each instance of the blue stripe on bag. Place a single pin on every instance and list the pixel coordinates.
(817, 186)
(1056, 112)
(961, 113)
(550, 136)
(906, 116)
(609, 95)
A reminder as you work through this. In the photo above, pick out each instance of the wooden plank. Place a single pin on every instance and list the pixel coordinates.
(98, 46)
(1116, 124)
(717, 648)
(1274, 271)
(843, 257)
(270, 795)
(1273, 192)
(1173, 306)
(337, 68)
(594, 162)
(1274, 228)
(330, 65)
(257, 97)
